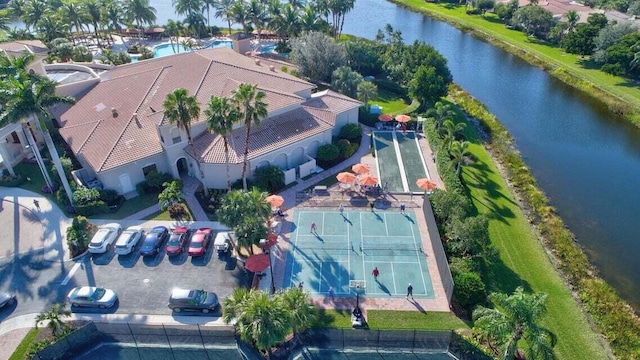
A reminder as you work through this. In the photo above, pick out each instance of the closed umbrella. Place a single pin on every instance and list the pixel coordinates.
(426, 184)
(271, 240)
(385, 117)
(403, 118)
(257, 262)
(275, 200)
(368, 180)
(346, 177)
(361, 168)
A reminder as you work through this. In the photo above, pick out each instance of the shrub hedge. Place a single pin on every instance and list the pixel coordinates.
(613, 316)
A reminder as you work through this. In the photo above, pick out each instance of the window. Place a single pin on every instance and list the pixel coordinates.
(149, 168)
(175, 135)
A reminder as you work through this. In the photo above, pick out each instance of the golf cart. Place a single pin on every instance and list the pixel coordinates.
(223, 243)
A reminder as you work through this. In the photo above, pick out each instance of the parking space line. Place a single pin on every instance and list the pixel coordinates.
(71, 273)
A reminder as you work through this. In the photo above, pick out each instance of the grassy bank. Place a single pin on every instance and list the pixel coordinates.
(612, 316)
(619, 95)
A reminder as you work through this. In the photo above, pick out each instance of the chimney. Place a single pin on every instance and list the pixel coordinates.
(135, 116)
(272, 68)
(114, 112)
(257, 61)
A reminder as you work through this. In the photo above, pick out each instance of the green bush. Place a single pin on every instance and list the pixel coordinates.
(469, 290)
(109, 196)
(83, 196)
(67, 166)
(351, 132)
(365, 118)
(269, 178)
(449, 205)
(61, 197)
(327, 155)
(155, 181)
(12, 181)
(78, 235)
(91, 208)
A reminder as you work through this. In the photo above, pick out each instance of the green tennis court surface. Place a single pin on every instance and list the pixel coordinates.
(400, 161)
(347, 248)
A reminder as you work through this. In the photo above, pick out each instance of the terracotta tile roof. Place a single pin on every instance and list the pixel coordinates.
(20, 46)
(107, 142)
(332, 101)
(272, 134)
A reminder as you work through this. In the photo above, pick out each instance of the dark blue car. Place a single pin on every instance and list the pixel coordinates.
(153, 240)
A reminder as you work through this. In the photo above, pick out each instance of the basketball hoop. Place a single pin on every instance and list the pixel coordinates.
(359, 286)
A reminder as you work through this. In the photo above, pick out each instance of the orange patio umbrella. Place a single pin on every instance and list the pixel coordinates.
(385, 117)
(361, 168)
(403, 118)
(346, 177)
(368, 180)
(275, 200)
(426, 184)
(257, 262)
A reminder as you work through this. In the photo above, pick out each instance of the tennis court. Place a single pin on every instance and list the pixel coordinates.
(400, 161)
(346, 247)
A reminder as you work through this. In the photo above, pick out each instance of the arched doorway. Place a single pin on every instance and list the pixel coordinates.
(182, 166)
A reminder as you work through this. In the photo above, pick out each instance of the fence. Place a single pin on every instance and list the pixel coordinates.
(438, 250)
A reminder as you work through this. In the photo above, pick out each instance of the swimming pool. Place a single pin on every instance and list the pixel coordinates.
(168, 49)
(269, 48)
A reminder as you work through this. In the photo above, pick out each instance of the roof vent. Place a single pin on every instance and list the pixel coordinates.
(272, 68)
(135, 116)
(114, 112)
(257, 61)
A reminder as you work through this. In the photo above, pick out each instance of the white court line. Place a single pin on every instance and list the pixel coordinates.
(386, 228)
(293, 251)
(393, 273)
(321, 272)
(403, 176)
(71, 273)
(424, 163)
(418, 257)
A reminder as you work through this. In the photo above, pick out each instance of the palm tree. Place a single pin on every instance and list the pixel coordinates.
(257, 15)
(450, 131)
(440, 112)
(223, 11)
(301, 312)
(232, 306)
(311, 20)
(17, 9)
(346, 81)
(249, 232)
(93, 9)
(113, 15)
(55, 317)
(74, 14)
(237, 204)
(139, 11)
(239, 14)
(51, 27)
(220, 116)
(515, 317)
(458, 151)
(30, 95)
(572, 20)
(34, 11)
(186, 7)
(207, 5)
(181, 109)
(252, 110)
(262, 320)
(367, 91)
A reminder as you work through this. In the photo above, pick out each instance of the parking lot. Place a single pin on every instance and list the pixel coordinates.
(143, 284)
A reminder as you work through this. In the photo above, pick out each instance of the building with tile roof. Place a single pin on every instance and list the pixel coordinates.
(118, 131)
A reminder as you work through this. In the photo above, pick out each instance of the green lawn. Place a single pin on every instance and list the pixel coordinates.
(523, 261)
(130, 206)
(400, 320)
(615, 85)
(164, 215)
(21, 350)
(390, 102)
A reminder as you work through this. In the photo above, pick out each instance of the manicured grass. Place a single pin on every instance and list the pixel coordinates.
(390, 102)
(490, 25)
(399, 320)
(337, 319)
(523, 261)
(130, 207)
(22, 348)
(164, 215)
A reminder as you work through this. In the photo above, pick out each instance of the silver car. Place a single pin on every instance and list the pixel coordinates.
(128, 240)
(104, 237)
(7, 299)
(92, 296)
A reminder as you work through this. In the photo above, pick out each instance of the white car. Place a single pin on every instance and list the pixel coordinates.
(105, 236)
(128, 240)
(92, 296)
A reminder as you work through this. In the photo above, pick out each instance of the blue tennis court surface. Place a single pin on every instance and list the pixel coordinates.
(348, 247)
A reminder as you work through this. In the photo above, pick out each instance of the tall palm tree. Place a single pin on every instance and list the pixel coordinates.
(17, 9)
(139, 11)
(458, 151)
(208, 5)
(240, 14)
(450, 131)
(440, 112)
(181, 109)
(55, 317)
(30, 95)
(367, 91)
(301, 312)
(515, 317)
(346, 81)
(74, 14)
(34, 11)
(223, 11)
(113, 16)
(51, 27)
(232, 305)
(220, 115)
(93, 10)
(572, 20)
(257, 15)
(252, 110)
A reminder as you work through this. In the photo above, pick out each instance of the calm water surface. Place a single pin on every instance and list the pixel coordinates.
(586, 161)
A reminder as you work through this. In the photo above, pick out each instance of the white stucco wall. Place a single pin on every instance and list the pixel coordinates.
(111, 178)
(347, 117)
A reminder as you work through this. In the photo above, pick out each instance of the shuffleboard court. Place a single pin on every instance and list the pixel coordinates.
(412, 159)
(399, 159)
(347, 248)
(388, 167)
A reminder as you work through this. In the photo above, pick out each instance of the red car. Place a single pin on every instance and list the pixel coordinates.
(177, 241)
(200, 241)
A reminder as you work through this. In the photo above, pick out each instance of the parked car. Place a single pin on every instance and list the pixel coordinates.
(199, 242)
(128, 240)
(92, 296)
(177, 241)
(104, 237)
(7, 299)
(153, 240)
(192, 300)
(223, 242)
